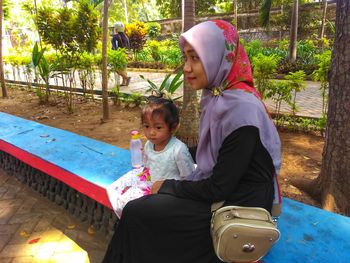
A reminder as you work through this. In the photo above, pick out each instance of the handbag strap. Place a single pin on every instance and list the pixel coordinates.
(276, 205)
(216, 206)
(277, 202)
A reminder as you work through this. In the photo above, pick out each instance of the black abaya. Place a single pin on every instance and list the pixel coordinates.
(173, 226)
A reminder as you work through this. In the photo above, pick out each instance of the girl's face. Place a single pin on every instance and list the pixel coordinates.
(194, 69)
(157, 131)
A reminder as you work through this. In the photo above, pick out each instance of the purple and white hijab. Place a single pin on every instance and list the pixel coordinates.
(230, 101)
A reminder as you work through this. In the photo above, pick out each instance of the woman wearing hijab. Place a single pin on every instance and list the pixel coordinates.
(238, 157)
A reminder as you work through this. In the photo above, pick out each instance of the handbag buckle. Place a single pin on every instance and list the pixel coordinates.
(248, 248)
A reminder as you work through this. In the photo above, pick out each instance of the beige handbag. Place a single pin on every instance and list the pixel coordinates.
(242, 234)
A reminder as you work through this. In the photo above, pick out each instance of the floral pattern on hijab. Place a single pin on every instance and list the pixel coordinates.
(240, 75)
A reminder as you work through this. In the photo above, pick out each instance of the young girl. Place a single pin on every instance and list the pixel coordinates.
(165, 156)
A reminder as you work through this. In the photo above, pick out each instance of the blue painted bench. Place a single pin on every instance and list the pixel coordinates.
(309, 234)
(84, 164)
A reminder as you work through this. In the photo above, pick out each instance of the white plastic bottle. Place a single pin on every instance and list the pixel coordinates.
(136, 149)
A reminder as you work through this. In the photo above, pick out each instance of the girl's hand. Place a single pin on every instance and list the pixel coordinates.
(156, 186)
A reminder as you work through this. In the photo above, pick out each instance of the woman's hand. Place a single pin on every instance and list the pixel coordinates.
(156, 186)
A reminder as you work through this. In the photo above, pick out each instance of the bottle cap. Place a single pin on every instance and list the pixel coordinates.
(135, 134)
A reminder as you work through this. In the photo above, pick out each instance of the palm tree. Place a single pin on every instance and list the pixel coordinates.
(2, 78)
(188, 131)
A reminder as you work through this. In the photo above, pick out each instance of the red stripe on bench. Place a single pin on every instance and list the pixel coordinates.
(78, 183)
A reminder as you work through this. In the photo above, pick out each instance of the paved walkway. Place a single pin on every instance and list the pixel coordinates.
(309, 101)
(33, 229)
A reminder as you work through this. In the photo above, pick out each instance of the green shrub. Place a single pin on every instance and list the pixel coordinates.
(285, 66)
(253, 48)
(171, 56)
(324, 63)
(284, 44)
(297, 82)
(69, 30)
(263, 68)
(154, 49)
(279, 91)
(98, 59)
(117, 59)
(144, 55)
(13, 59)
(153, 29)
(170, 42)
(306, 50)
(86, 61)
(321, 74)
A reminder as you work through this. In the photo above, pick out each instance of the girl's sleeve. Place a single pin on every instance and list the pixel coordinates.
(233, 161)
(183, 161)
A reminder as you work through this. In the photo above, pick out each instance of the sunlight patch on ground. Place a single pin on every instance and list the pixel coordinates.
(54, 246)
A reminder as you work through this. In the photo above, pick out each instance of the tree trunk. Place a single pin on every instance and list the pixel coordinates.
(249, 18)
(104, 61)
(281, 25)
(126, 12)
(324, 14)
(2, 78)
(235, 10)
(188, 131)
(144, 10)
(294, 32)
(188, 8)
(334, 180)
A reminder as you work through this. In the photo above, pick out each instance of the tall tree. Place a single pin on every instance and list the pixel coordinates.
(144, 9)
(324, 14)
(294, 32)
(264, 19)
(188, 131)
(334, 180)
(2, 77)
(265, 13)
(188, 15)
(105, 107)
(235, 11)
(126, 12)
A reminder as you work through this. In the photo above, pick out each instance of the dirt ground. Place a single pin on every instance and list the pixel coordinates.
(302, 153)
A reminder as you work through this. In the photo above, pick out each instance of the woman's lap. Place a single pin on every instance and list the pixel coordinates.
(163, 228)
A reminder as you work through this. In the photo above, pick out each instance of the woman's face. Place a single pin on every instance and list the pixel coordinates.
(193, 69)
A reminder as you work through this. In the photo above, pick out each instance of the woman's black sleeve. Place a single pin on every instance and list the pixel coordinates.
(193, 151)
(233, 161)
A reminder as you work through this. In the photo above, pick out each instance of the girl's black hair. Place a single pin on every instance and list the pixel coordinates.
(163, 107)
